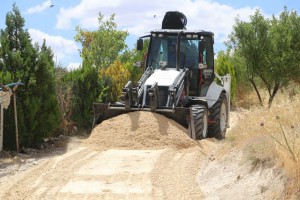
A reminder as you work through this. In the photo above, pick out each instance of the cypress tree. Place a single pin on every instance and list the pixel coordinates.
(36, 101)
(43, 91)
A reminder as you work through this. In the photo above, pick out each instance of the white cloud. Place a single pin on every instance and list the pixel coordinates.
(39, 8)
(63, 49)
(137, 16)
(73, 66)
(86, 12)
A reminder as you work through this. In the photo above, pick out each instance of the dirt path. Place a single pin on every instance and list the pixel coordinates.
(112, 174)
(148, 157)
(141, 156)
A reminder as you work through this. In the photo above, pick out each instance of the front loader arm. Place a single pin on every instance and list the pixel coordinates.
(176, 90)
(140, 86)
(131, 96)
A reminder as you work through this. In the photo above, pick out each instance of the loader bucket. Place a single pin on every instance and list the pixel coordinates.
(107, 111)
(102, 112)
(180, 115)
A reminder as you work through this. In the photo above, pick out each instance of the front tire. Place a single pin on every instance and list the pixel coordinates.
(200, 117)
(219, 116)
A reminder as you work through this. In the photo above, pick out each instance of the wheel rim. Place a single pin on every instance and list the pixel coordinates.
(223, 118)
(204, 132)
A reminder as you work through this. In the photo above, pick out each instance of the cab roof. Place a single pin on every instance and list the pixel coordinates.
(184, 32)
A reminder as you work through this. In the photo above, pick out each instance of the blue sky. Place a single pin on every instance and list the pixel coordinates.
(57, 24)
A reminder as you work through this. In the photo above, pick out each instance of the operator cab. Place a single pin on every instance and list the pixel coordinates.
(171, 49)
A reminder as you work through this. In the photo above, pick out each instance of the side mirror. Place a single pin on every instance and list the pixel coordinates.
(140, 44)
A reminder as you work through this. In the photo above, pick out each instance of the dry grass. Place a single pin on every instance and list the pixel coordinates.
(246, 97)
(271, 137)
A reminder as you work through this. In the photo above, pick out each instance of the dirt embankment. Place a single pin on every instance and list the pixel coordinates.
(143, 155)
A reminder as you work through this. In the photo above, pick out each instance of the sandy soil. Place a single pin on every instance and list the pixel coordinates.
(141, 155)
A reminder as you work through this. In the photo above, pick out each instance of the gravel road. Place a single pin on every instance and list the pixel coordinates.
(140, 155)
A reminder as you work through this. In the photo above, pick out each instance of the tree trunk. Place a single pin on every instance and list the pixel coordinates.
(257, 92)
(267, 85)
(271, 98)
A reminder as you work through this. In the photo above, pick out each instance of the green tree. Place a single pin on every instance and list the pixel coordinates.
(284, 62)
(225, 65)
(48, 115)
(86, 89)
(102, 47)
(17, 52)
(18, 57)
(37, 106)
(131, 58)
(269, 49)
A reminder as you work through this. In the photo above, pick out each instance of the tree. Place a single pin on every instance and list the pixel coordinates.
(37, 105)
(119, 76)
(64, 92)
(130, 57)
(48, 115)
(102, 47)
(86, 89)
(225, 65)
(269, 49)
(17, 52)
(284, 61)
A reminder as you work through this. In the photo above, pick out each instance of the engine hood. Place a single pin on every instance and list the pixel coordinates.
(166, 77)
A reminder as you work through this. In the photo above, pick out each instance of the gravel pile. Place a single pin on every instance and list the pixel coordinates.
(140, 130)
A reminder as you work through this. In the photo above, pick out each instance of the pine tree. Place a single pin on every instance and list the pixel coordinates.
(47, 115)
(21, 60)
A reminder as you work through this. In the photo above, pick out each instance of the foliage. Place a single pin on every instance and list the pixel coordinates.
(130, 57)
(119, 75)
(225, 65)
(101, 47)
(85, 89)
(270, 49)
(43, 91)
(37, 104)
(64, 95)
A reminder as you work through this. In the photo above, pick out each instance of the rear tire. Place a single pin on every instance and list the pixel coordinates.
(219, 116)
(200, 117)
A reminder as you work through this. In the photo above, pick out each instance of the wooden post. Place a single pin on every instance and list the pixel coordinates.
(1, 127)
(16, 117)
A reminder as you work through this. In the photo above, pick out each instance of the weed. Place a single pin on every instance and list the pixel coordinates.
(288, 140)
(263, 189)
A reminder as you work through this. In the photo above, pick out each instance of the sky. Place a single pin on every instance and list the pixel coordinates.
(55, 20)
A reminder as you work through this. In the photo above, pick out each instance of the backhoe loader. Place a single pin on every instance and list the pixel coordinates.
(181, 87)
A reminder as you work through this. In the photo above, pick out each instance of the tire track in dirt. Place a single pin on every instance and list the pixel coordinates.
(45, 179)
(112, 174)
(178, 180)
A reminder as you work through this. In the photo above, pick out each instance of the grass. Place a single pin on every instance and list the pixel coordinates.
(271, 137)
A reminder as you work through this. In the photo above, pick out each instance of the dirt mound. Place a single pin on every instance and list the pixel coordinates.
(140, 130)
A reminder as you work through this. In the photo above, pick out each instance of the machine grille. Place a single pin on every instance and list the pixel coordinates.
(162, 96)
